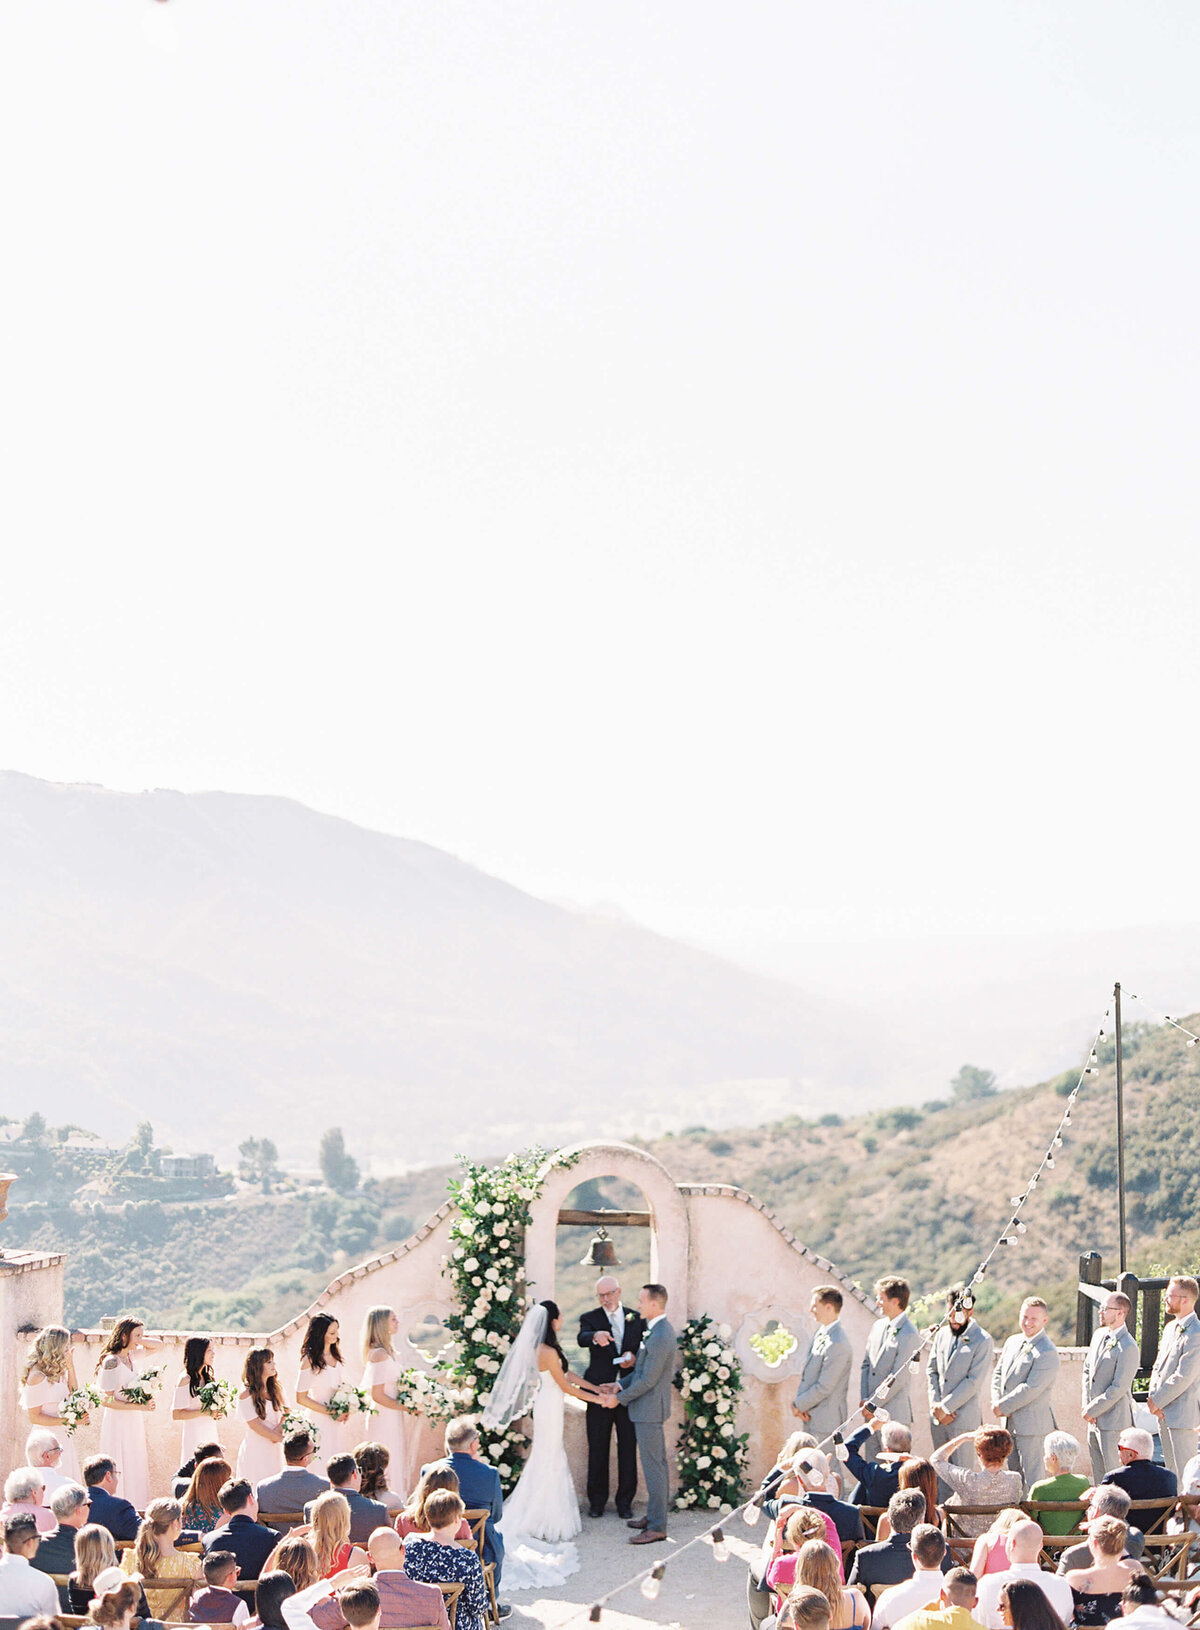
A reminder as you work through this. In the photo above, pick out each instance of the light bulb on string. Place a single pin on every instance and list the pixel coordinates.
(842, 1453)
(882, 1415)
(719, 1548)
(594, 1615)
(1050, 1161)
(914, 1363)
(1021, 1227)
(652, 1583)
(1058, 1143)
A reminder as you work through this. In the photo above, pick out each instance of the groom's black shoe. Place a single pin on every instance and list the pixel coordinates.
(636, 1522)
(595, 1511)
(625, 1511)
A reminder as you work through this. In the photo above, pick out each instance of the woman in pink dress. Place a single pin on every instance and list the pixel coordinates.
(322, 1372)
(394, 1426)
(198, 1425)
(122, 1423)
(262, 1406)
(48, 1377)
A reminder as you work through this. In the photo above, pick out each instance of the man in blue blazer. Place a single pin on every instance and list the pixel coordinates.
(480, 1489)
(107, 1508)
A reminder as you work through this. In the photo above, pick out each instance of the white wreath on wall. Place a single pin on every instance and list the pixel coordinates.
(801, 1325)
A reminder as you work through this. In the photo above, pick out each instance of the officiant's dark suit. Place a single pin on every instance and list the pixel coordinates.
(602, 1367)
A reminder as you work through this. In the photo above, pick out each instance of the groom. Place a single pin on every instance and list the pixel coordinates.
(647, 1396)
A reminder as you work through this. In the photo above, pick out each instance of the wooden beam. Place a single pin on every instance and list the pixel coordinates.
(605, 1219)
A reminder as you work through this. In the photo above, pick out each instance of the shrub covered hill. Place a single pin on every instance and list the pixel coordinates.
(921, 1190)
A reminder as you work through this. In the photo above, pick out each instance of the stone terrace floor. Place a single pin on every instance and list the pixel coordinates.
(697, 1593)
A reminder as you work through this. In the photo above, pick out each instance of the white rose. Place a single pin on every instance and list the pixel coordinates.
(718, 1452)
(491, 1273)
(702, 1462)
(471, 1264)
(722, 1374)
(724, 1331)
(497, 1210)
(712, 1350)
(503, 1293)
(501, 1228)
(459, 1253)
(701, 1420)
(713, 1502)
(470, 1321)
(710, 1397)
(504, 1469)
(483, 1209)
(705, 1379)
(726, 1429)
(695, 1385)
(526, 1194)
(722, 1406)
(493, 1339)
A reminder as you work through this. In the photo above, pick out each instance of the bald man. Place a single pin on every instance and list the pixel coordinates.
(402, 1601)
(612, 1335)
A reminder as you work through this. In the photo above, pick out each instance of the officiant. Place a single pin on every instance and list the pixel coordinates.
(612, 1335)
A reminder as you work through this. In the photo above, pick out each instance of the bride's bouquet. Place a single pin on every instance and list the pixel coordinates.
(423, 1394)
(218, 1399)
(76, 1407)
(296, 1420)
(145, 1389)
(347, 1400)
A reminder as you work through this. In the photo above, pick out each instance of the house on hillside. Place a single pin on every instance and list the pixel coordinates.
(186, 1166)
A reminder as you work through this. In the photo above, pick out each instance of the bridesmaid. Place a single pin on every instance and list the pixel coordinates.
(198, 1424)
(322, 1372)
(395, 1427)
(48, 1377)
(122, 1424)
(261, 1405)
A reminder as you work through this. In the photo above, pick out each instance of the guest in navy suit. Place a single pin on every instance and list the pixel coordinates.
(878, 1479)
(108, 1509)
(250, 1541)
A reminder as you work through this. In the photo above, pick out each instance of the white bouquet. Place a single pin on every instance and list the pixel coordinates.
(76, 1406)
(218, 1399)
(145, 1388)
(347, 1400)
(423, 1394)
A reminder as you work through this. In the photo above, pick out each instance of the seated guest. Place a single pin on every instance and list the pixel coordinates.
(818, 1568)
(183, 1477)
(365, 1515)
(435, 1559)
(878, 1479)
(952, 1608)
(805, 1523)
(1024, 1549)
(917, 1474)
(1140, 1606)
(478, 1485)
(372, 1460)
(1137, 1474)
(43, 1451)
(218, 1602)
(114, 1607)
(988, 1483)
(331, 1535)
(1105, 1501)
(295, 1486)
(202, 1498)
(23, 1590)
(1023, 1606)
(274, 1590)
(154, 1556)
(1060, 1452)
(402, 1601)
(94, 1552)
(811, 1471)
(295, 1557)
(792, 1445)
(1098, 1590)
(412, 1520)
(805, 1609)
(990, 1553)
(108, 1509)
(23, 1491)
(889, 1561)
(923, 1588)
(56, 1550)
(241, 1532)
(359, 1605)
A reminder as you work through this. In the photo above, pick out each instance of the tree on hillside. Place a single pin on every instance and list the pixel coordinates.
(339, 1169)
(259, 1162)
(971, 1083)
(33, 1129)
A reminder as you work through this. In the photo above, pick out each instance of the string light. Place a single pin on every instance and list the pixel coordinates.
(652, 1583)
(750, 1515)
(720, 1550)
(594, 1615)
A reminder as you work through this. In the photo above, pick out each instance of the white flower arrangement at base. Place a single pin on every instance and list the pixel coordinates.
(710, 1459)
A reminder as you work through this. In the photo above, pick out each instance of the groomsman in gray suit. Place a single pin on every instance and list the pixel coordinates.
(1108, 1372)
(820, 1399)
(894, 1339)
(1175, 1379)
(646, 1393)
(1022, 1384)
(960, 1362)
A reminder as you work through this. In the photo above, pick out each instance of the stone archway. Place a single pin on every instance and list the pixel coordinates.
(669, 1227)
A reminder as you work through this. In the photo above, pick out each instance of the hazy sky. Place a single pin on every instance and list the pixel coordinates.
(735, 462)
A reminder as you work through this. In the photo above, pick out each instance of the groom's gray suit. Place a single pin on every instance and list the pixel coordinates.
(646, 1393)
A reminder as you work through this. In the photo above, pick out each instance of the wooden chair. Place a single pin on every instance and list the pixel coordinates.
(477, 1517)
(870, 1516)
(1151, 1515)
(176, 1591)
(71, 1621)
(1036, 1507)
(451, 1593)
(281, 1521)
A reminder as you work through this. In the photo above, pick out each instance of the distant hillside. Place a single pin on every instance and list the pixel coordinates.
(925, 1191)
(227, 966)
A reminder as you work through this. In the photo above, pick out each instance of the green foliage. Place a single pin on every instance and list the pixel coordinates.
(339, 1169)
(711, 1454)
(972, 1083)
(898, 1120)
(258, 1162)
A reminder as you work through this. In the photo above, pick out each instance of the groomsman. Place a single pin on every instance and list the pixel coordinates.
(611, 1334)
(960, 1362)
(1175, 1379)
(820, 1399)
(1108, 1372)
(894, 1339)
(1022, 1384)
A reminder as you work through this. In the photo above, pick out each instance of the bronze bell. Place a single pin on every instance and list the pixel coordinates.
(602, 1253)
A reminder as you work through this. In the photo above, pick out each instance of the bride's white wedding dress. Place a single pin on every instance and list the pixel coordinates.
(544, 1506)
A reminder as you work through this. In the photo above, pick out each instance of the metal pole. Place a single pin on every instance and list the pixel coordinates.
(1120, 1128)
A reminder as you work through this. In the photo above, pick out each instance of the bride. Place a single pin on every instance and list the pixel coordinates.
(544, 1505)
